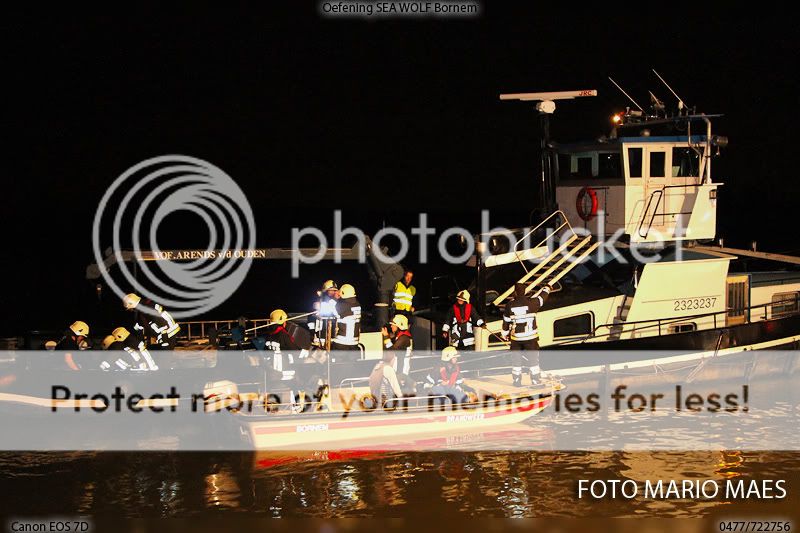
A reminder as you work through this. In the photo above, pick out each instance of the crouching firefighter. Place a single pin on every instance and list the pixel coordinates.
(519, 318)
(446, 380)
(153, 320)
(459, 328)
(130, 352)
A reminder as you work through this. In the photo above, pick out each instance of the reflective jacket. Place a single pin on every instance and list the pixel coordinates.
(404, 296)
(403, 345)
(152, 319)
(279, 341)
(131, 354)
(461, 323)
(448, 374)
(520, 315)
(348, 321)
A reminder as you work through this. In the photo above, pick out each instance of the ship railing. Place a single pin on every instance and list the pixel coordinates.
(564, 224)
(200, 329)
(660, 323)
(658, 194)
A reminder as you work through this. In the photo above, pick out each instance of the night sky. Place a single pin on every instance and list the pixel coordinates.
(308, 114)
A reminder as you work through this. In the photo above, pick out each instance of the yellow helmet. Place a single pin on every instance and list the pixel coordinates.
(463, 295)
(329, 285)
(400, 321)
(130, 301)
(80, 328)
(278, 316)
(347, 291)
(121, 333)
(50, 345)
(108, 340)
(449, 353)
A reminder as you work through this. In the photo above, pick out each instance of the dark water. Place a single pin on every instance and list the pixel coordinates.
(500, 484)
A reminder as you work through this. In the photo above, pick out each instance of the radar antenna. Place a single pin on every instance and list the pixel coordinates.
(546, 106)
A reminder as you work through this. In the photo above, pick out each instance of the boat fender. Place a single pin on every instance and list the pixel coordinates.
(586, 203)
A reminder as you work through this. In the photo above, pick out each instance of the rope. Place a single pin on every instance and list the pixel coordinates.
(273, 323)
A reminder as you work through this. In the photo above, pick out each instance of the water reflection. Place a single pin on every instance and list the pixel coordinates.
(485, 483)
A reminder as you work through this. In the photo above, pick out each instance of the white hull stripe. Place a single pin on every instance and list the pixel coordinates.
(677, 358)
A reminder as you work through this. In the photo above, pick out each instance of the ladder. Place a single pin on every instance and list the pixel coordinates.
(557, 264)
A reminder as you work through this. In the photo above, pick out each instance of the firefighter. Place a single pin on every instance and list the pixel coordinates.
(324, 312)
(280, 344)
(519, 318)
(152, 320)
(131, 353)
(348, 325)
(459, 328)
(404, 293)
(75, 338)
(398, 339)
(282, 353)
(446, 379)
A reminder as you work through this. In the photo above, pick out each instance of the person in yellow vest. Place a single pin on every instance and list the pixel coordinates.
(404, 293)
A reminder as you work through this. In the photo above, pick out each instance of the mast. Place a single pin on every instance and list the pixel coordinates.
(546, 106)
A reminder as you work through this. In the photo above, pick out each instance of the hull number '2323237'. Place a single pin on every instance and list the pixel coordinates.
(694, 303)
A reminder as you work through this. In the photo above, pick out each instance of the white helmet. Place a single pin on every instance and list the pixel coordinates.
(130, 301)
(347, 291)
(463, 295)
(400, 321)
(80, 328)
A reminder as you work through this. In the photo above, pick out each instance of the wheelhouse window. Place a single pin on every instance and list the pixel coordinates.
(609, 166)
(657, 162)
(635, 162)
(685, 162)
(589, 165)
(785, 303)
(573, 326)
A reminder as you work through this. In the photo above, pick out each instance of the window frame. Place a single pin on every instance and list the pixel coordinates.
(576, 335)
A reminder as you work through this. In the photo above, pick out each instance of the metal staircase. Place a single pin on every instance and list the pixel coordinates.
(572, 251)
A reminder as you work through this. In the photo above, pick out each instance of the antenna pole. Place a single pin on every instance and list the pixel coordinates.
(626, 94)
(680, 100)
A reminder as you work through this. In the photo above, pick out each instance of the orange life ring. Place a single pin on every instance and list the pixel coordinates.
(586, 203)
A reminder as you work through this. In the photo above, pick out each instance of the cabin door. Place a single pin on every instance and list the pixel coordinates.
(738, 300)
(654, 193)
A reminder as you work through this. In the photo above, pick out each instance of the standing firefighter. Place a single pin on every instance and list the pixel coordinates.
(404, 293)
(459, 328)
(520, 318)
(398, 339)
(348, 324)
(324, 309)
(152, 320)
(280, 346)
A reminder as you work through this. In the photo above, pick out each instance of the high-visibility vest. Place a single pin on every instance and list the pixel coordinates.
(403, 296)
